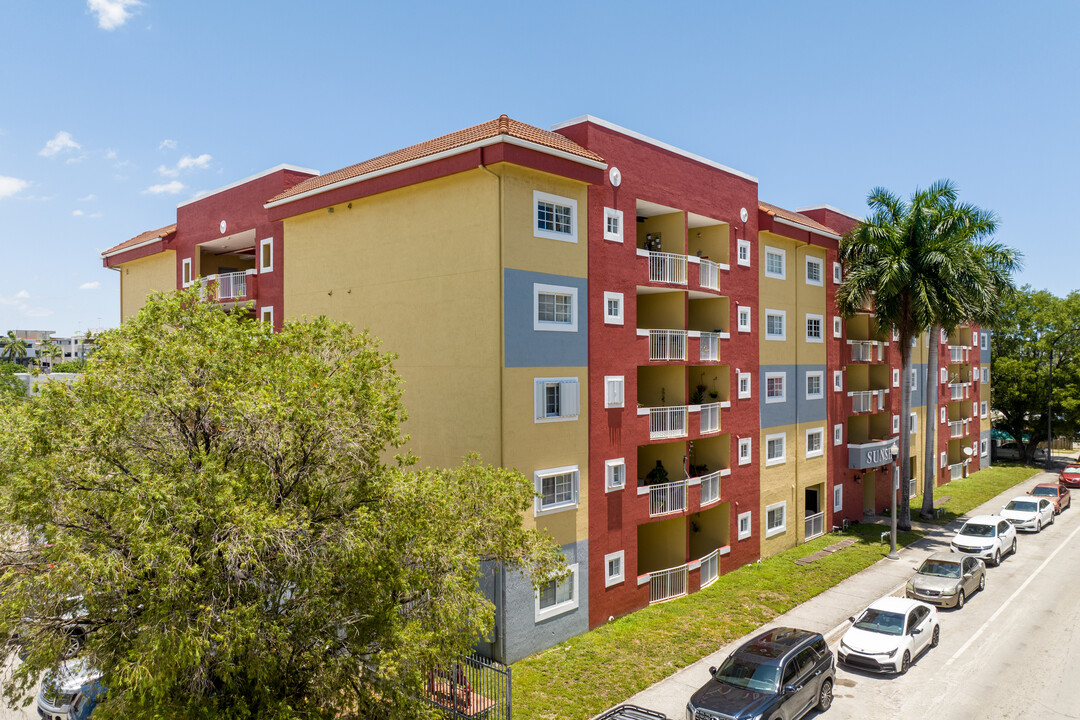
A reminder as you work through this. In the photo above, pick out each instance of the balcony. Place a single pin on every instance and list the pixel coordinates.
(956, 471)
(710, 418)
(710, 568)
(709, 274)
(667, 584)
(864, 351)
(958, 354)
(667, 345)
(231, 287)
(957, 391)
(710, 347)
(710, 488)
(815, 526)
(667, 268)
(667, 422)
(958, 429)
(666, 498)
(867, 401)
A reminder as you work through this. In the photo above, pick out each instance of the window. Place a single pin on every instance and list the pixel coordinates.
(744, 385)
(266, 314)
(557, 488)
(266, 255)
(774, 325)
(985, 338)
(775, 519)
(555, 399)
(774, 263)
(556, 597)
(985, 375)
(615, 474)
(815, 270)
(914, 420)
(944, 336)
(838, 498)
(775, 390)
(613, 562)
(837, 273)
(983, 409)
(896, 423)
(613, 391)
(775, 449)
(837, 327)
(745, 448)
(555, 217)
(613, 228)
(745, 525)
(744, 318)
(815, 442)
(895, 378)
(743, 252)
(554, 308)
(943, 418)
(186, 273)
(944, 375)
(984, 449)
(914, 380)
(975, 408)
(944, 459)
(838, 381)
(613, 308)
(814, 381)
(895, 335)
(813, 328)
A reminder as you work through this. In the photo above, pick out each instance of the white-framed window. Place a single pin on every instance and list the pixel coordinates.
(775, 519)
(614, 568)
(746, 520)
(554, 217)
(775, 266)
(944, 459)
(554, 308)
(985, 374)
(985, 338)
(774, 324)
(613, 391)
(895, 378)
(743, 252)
(558, 489)
(814, 328)
(837, 327)
(775, 449)
(914, 419)
(838, 498)
(837, 273)
(266, 255)
(944, 336)
(746, 447)
(983, 409)
(744, 318)
(614, 474)
(896, 423)
(895, 335)
(815, 382)
(974, 408)
(556, 597)
(266, 314)
(815, 442)
(186, 276)
(613, 308)
(815, 270)
(944, 418)
(914, 380)
(984, 448)
(613, 225)
(744, 385)
(838, 434)
(776, 387)
(944, 375)
(838, 380)
(556, 399)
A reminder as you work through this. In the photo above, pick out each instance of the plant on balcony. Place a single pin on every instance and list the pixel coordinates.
(657, 475)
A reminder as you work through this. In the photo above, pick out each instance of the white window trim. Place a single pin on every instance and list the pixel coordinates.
(821, 328)
(564, 607)
(837, 327)
(739, 245)
(266, 314)
(747, 443)
(984, 339)
(896, 423)
(984, 448)
(748, 517)
(944, 460)
(783, 456)
(609, 472)
(838, 435)
(186, 272)
(820, 375)
(896, 377)
(820, 433)
(782, 314)
(984, 374)
(782, 528)
(610, 580)
(782, 275)
(914, 422)
(983, 408)
(610, 319)
(944, 375)
(820, 262)
(914, 380)
(613, 213)
(838, 498)
(837, 273)
(744, 326)
(571, 504)
(773, 376)
(545, 326)
(268, 242)
(571, 236)
(538, 415)
(838, 381)
(943, 416)
(749, 385)
(609, 400)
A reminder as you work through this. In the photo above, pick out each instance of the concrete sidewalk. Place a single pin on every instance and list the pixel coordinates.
(828, 613)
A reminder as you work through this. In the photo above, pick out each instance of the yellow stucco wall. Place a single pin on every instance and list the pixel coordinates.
(139, 278)
(788, 481)
(796, 298)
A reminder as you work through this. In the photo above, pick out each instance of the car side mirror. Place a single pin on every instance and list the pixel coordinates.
(789, 689)
(851, 620)
(712, 671)
(916, 631)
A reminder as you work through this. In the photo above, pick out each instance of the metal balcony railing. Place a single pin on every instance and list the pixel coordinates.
(867, 401)
(667, 498)
(710, 487)
(710, 418)
(667, 268)
(956, 471)
(815, 525)
(957, 429)
(667, 584)
(710, 347)
(667, 422)
(709, 275)
(667, 345)
(710, 568)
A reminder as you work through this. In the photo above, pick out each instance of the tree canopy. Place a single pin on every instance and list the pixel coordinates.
(218, 506)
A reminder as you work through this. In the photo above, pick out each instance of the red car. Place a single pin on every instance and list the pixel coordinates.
(1056, 493)
(1070, 476)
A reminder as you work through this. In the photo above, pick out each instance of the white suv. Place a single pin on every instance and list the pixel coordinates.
(989, 537)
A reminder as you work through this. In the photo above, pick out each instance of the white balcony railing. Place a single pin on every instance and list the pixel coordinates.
(667, 422)
(956, 471)
(862, 351)
(710, 347)
(956, 391)
(709, 275)
(667, 268)
(710, 487)
(667, 345)
(667, 498)
(710, 418)
(867, 401)
(957, 354)
(667, 584)
(957, 429)
(710, 568)
(231, 285)
(815, 525)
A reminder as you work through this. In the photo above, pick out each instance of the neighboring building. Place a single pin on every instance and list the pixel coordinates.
(620, 320)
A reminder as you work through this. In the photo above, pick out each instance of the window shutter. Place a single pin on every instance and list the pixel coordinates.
(568, 398)
(577, 487)
(538, 398)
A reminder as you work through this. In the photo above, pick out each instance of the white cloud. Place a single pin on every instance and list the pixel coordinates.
(110, 154)
(172, 188)
(18, 301)
(11, 186)
(78, 213)
(167, 171)
(22, 295)
(199, 163)
(90, 285)
(62, 141)
(111, 14)
(89, 198)
(167, 145)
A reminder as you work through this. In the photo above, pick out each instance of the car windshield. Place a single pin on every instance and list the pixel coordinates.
(880, 621)
(940, 568)
(977, 530)
(1021, 506)
(745, 673)
(1045, 492)
(1072, 469)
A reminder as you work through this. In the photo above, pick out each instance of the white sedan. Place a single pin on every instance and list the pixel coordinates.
(1029, 513)
(889, 634)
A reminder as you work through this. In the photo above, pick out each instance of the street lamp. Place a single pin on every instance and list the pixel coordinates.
(894, 483)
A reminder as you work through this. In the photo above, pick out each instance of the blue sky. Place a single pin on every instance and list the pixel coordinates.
(114, 111)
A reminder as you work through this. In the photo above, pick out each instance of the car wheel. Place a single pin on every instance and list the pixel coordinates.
(905, 662)
(960, 600)
(1052, 519)
(982, 581)
(1013, 550)
(997, 558)
(1038, 525)
(824, 701)
(936, 637)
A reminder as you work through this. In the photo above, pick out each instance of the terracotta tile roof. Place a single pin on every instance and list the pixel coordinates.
(795, 217)
(142, 237)
(502, 125)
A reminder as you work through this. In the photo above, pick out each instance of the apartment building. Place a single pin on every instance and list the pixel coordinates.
(622, 321)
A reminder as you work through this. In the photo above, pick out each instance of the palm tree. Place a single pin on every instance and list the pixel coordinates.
(49, 350)
(12, 348)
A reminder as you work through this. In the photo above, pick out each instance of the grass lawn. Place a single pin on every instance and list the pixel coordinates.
(974, 490)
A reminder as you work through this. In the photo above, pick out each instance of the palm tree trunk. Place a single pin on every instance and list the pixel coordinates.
(933, 387)
(903, 515)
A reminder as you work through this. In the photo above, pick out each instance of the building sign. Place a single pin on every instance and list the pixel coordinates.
(869, 455)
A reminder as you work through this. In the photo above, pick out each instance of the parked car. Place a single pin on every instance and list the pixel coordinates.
(1028, 513)
(70, 692)
(782, 673)
(1070, 476)
(990, 537)
(947, 579)
(889, 634)
(632, 712)
(1011, 450)
(1056, 492)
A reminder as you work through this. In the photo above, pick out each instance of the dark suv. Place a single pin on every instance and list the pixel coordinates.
(779, 675)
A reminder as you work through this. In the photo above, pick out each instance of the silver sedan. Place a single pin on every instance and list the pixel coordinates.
(947, 579)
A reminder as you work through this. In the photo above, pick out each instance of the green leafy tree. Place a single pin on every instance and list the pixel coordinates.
(218, 505)
(70, 366)
(48, 350)
(11, 388)
(12, 348)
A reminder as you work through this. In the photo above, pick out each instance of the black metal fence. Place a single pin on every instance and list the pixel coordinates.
(471, 687)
